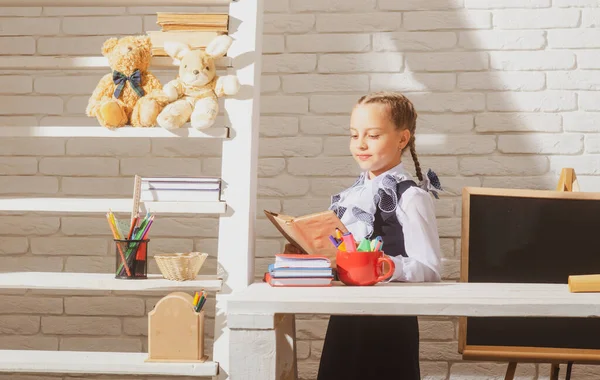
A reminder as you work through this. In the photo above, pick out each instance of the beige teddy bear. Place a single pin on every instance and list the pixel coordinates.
(194, 94)
(130, 94)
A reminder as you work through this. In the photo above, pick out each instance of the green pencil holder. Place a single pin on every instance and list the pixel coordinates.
(131, 259)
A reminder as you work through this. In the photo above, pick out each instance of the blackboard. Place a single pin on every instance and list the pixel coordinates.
(529, 236)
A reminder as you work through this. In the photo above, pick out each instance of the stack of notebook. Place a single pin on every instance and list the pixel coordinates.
(194, 29)
(299, 270)
(185, 189)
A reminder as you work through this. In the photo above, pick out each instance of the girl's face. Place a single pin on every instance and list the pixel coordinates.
(375, 142)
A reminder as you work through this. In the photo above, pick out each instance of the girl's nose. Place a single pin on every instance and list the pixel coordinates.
(363, 144)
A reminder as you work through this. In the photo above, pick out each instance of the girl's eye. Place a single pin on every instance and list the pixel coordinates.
(374, 136)
(354, 136)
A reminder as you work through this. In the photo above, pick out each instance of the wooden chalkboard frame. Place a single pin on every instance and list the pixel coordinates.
(508, 353)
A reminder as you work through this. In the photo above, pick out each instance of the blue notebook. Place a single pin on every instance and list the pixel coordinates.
(299, 272)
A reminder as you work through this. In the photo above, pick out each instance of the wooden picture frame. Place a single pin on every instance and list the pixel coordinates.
(509, 353)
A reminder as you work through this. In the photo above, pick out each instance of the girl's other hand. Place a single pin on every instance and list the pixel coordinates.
(292, 249)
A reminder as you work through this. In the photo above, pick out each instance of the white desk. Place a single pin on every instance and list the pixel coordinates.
(261, 318)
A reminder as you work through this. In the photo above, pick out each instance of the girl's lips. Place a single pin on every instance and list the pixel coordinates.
(363, 157)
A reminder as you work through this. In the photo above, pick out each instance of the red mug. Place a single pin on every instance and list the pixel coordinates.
(363, 268)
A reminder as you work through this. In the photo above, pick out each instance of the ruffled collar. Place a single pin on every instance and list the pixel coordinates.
(357, 205)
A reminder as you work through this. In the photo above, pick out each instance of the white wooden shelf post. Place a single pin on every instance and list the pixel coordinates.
(239, 167)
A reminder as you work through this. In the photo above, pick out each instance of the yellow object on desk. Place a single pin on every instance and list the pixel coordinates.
(584, 283)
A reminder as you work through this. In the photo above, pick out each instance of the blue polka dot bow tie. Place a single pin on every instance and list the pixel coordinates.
(135, 81)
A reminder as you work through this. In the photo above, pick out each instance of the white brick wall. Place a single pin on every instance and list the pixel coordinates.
(506, 95)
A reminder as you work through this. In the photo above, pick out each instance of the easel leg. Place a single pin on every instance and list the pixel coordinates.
(554, 370)
(569, 368)
(510, 371)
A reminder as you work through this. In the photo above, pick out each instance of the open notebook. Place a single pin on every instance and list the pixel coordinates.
(309, 233)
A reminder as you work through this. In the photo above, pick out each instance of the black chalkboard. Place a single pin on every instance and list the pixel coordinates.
(530, 237)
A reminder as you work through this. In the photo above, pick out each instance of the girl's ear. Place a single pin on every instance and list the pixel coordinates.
(404, 139)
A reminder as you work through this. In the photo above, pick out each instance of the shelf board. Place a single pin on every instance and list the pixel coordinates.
(108, 363)
(99, 131)
(26, 62)
(106, 3)
(104, 204)
(102, 282)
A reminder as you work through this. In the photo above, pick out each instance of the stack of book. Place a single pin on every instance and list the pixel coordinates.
(193, 29)
(299, 270)
(186, 189)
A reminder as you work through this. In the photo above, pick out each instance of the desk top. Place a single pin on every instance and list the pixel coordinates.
(432, 299)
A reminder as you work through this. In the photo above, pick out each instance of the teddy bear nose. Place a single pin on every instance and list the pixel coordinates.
(129, 48)
(196, 72)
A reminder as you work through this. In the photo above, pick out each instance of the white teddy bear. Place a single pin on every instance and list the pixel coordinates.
(193, 95)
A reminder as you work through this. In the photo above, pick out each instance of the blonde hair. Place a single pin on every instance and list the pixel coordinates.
(403, 115)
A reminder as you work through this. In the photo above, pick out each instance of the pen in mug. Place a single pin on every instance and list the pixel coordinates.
(349, 242)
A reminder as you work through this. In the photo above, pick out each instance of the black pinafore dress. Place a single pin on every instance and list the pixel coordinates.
(361, 347)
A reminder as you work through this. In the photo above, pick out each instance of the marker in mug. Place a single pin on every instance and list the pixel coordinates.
(349, 242)
(378, 245)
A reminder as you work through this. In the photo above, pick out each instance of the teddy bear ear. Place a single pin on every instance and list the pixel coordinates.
(144, 42)
(109, 45)
(218, 46)
(176, 50)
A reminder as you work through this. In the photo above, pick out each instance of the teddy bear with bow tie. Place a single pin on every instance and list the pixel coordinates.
(130, 94)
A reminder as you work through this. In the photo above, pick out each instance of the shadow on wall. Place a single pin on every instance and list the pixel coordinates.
(475, 97)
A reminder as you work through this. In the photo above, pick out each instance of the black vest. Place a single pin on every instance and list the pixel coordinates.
(388, 226)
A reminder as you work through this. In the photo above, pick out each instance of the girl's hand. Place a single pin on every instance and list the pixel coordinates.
(289, 248)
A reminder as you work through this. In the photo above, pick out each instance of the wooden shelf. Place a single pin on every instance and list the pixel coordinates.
(72, 63)
(109, 363)
(98, 131)
(104, 204)
(102, 282)
(106, 3)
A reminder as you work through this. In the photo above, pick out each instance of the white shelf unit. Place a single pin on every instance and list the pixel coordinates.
(58, 131)
(236, 212)
(97, 363)
(94, 205)
(110, 3)
(82, 63)
(102, 282)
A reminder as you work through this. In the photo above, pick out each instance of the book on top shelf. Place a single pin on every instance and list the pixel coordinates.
(216, 22)
(195, 39)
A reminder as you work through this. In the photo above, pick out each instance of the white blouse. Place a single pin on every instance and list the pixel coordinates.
(416, 214)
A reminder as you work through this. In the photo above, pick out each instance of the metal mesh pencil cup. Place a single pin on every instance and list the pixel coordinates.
(131, 258)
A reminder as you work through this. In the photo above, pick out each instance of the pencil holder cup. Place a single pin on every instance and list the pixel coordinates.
(363, 268)
(176, 330)
(131, 258)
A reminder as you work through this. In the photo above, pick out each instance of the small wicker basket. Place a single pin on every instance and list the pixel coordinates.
(180, 266)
